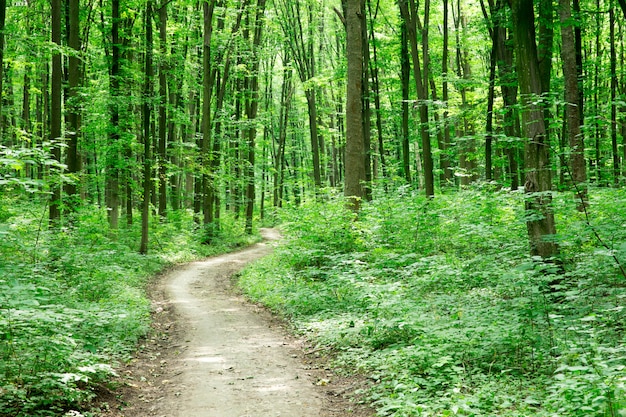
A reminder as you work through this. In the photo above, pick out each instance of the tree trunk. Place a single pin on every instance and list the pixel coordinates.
(355, 149)
(283, 120)
(251, 113)
(444, 146)
(112, 151)
(490, 99)
(207, 157)
(376, 93)
(56, 114)
(162, 145)
(616, 158)
(73, 117)
(540, 224)
(3, 11)
(409, 14)
(405, 68)
(147, 131)
(508, 86)
(572, 103)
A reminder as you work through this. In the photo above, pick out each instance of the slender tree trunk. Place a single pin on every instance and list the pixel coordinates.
(572, 102)
(508, 86)
(410, 15)
(162, 145)
(73, 117)
(283, 120)
(56, 111)
(367, 111)
(540, 224)
(490, 100)
(376, 87)
(3, 11)
(208, 185)
(616, 158)
(112, 151)
(355, 148)
(252, 110)
(444, 146)
(147, 130)
(405, 67)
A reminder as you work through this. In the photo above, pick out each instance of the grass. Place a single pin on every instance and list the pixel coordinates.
(72, 300)
(439, 304)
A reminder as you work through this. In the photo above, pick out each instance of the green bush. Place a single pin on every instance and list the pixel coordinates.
(439, 304)
(73, 302)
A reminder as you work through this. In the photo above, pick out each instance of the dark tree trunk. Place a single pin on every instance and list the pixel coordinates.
(251, 113)
(73, 116)
(112, 152)
(3, 10)
(409, 14)
(162, 145)
(444, 146)
(147, 130)
(616, 158)
(572, 103)
(355, 148)
(540, 224)
(56, 111)
(405, 67)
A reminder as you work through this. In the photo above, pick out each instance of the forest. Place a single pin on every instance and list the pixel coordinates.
(448, 177)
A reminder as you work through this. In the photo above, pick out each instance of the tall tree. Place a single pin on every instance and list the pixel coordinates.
(252, 106)
(162, 143)
(56, 114)
(572, 101)
(540, 219)
(444, 160)
(409, 13)
(355, 147)
(405, 76)
(613, 64)
(112, 157)
(301, 41)
(3, 12)
(73, 101)
(147, 129)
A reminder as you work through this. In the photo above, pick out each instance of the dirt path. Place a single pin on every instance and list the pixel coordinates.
(215, 355)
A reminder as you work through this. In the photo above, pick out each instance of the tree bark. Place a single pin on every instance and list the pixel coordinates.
(409, 14)
(147, 131)
(3, 11)
(540, 223)
(355, 149)
(405, 71)
(112, 152)
(572, 103)
(56, 114)
(251, 113)
(616, 157)
(162, 145)
(73, 117)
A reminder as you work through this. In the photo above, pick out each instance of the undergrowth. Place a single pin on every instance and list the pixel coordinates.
(73, 301)
(439, 305)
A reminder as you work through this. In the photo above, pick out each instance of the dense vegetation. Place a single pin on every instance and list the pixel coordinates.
(199, 117)
(73, 300)
(438, 303)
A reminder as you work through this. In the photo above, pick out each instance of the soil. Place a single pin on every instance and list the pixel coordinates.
(211, 353)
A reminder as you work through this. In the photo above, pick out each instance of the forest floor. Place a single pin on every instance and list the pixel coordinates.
(211, 353)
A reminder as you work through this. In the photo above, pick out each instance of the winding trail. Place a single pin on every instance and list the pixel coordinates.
(211, 353)
(233, 363)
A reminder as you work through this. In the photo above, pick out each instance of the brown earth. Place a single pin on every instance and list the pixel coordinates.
(211, 353)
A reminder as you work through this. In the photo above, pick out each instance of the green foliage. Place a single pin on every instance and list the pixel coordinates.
(438, 303)
(73, 302)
